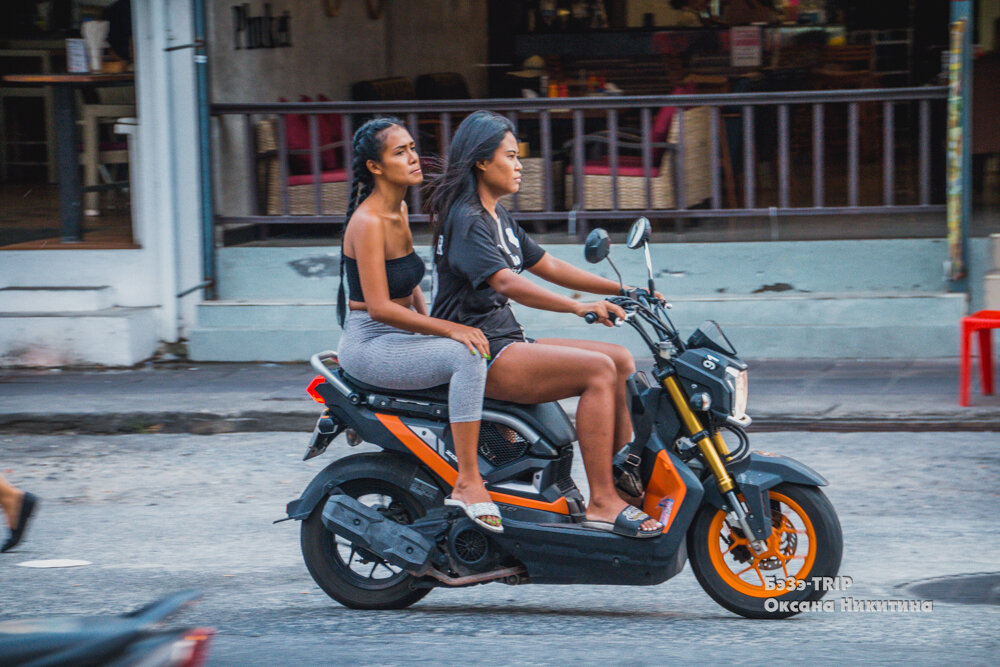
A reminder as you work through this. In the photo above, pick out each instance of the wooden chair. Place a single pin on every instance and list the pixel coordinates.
(11, 141)
(98, 153)
(852, 67)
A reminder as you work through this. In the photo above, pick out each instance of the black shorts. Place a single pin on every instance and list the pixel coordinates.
(497, 345)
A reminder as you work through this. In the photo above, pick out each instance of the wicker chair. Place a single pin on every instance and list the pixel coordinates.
(380, 90)
(631, 181)
(334, 185)
(531, 196)
(442, 86)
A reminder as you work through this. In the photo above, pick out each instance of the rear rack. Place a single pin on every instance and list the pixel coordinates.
(317, 361)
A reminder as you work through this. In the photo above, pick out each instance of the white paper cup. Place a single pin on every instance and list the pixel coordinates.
(96, 58)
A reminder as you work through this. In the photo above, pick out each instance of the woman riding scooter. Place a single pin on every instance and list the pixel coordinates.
(479, 253)
(387, 306)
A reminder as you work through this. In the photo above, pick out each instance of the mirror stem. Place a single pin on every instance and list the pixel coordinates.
(649, 267)
(618, 273)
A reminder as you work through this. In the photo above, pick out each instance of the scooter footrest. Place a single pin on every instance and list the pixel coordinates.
(368, 529)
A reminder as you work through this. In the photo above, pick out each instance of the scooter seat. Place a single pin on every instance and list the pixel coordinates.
(549, 419)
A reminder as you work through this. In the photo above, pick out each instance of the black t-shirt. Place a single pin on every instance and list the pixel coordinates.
(473, 245)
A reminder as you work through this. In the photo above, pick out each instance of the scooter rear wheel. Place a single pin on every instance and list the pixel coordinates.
(353, 576)
(805, 547)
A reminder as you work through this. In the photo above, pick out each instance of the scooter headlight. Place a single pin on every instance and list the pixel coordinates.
(741, 388)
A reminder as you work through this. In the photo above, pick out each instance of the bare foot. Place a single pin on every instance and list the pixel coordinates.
(475, 493)
(609, 512)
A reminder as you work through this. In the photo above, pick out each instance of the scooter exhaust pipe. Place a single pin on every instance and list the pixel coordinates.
(365, 527)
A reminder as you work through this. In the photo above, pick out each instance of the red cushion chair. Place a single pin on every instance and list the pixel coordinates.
(326, 176)
(331, 133)
(298, 190)
(297, 139)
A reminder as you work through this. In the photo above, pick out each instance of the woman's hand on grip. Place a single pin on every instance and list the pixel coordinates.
(603, 309)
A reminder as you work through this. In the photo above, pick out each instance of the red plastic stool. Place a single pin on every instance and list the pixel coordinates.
(981, 322)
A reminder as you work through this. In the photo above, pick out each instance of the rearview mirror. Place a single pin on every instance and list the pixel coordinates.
(639, 233)
(597, 246)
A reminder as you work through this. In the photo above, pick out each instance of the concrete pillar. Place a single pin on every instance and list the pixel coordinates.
(167, 174)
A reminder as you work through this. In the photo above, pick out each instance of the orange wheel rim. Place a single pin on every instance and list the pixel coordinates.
(786, 560)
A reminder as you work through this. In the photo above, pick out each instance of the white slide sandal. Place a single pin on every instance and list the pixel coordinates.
(477, 510)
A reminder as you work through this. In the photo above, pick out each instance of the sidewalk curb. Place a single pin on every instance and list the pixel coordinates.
(299, 421)
(197, 423)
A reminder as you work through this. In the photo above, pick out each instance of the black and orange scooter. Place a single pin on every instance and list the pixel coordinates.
(757, 530)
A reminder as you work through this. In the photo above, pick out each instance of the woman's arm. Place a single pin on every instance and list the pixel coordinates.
(369, 248)
(522, 290)
(419, 303)
(566, 275)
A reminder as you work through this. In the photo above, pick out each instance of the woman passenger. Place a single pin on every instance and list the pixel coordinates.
(479, 254)
(389, 340)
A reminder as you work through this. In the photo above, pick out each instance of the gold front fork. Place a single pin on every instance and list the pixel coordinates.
(713, 448)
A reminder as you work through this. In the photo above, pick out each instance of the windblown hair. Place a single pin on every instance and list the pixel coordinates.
(476, 139)
(368, 142)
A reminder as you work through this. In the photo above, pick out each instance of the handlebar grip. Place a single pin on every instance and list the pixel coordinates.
(590, 318)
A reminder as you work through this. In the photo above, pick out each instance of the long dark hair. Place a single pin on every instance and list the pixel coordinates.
(368, 142)
(477, 138)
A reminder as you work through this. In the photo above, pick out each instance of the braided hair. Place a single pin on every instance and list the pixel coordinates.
(368, 142)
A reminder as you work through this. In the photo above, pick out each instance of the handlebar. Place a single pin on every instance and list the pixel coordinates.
(642, 308)
(592, 317)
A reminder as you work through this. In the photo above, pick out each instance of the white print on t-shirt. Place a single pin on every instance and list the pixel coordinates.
(503, 246)
(514, 258)
(512, 238)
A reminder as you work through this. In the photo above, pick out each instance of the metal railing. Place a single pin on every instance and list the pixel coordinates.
(546, 119)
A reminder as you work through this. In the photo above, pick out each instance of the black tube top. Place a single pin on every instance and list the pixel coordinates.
(403, 275)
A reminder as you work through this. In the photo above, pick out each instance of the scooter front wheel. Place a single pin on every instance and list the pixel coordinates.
(805, 547)
(349, 574)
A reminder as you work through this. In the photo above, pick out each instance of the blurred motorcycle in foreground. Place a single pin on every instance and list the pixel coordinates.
(136, 638)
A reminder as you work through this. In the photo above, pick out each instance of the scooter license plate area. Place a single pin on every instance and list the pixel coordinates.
(322, 435)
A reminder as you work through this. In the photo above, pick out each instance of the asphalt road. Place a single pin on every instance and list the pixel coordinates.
(158, 513)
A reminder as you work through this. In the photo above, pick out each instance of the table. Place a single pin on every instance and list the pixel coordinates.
(67, 162)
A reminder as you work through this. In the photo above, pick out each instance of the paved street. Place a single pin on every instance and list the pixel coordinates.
(182, 397)
(157, 513)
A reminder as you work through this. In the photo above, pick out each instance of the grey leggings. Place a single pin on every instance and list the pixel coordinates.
(385, 356)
